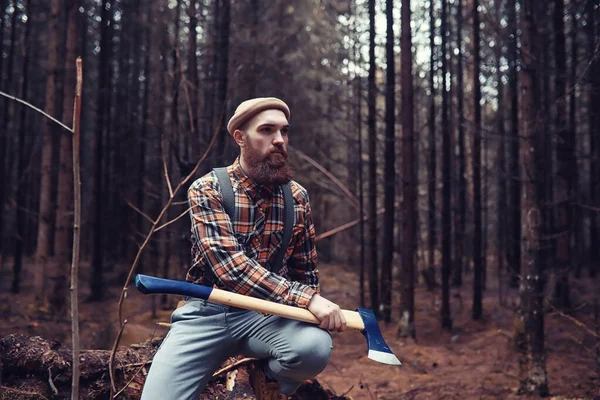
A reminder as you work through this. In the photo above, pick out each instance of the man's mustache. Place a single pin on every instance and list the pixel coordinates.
(280, 151)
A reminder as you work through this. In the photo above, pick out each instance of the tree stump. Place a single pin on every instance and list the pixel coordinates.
(32, 368)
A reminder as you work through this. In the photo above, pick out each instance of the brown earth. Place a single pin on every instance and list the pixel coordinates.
(474, 361)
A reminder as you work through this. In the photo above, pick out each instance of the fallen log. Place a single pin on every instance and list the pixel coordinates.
(32, 368)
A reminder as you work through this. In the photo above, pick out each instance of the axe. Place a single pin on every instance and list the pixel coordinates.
(362, 319)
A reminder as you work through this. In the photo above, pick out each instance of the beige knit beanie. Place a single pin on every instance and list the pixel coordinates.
(250, 108)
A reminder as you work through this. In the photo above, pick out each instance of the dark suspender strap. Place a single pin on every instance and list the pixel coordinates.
(288, 221)
(226, 191)
(228, 205)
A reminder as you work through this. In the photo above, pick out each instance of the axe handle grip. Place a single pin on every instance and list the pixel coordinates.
(353, 319)
(151, 285)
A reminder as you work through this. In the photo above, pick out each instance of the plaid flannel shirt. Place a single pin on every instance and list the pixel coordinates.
(240, 252)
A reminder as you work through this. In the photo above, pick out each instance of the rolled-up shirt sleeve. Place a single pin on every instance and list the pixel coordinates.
(213, 232)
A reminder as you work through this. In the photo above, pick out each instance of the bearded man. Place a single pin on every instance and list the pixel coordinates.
(237, 254)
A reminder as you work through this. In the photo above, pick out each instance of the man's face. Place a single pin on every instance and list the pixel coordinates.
(265, 147)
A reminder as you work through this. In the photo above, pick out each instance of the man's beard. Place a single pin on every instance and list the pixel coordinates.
(270, 169)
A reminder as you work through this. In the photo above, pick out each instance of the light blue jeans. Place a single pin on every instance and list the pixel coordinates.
(204, 334)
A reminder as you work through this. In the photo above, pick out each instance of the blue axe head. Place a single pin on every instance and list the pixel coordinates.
(378, 349)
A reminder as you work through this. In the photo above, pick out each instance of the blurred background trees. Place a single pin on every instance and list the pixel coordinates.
(471, 125)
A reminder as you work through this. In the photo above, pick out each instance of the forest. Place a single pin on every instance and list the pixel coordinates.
(451, 150)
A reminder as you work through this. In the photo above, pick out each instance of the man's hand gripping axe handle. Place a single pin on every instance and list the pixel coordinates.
(362, 319)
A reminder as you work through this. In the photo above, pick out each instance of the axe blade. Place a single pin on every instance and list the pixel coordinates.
(378, 350)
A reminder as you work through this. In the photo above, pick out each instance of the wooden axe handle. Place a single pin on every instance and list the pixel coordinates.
(353, 319)
(152, 285)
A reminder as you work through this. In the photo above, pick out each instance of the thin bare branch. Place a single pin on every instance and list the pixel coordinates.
(234, 365)
(136, 373)
(349, 224)
(184, 84)
(332, 189)
(173, 220)
(165, 167)
(587, 207)
(76, 231)
(36, 109)
(18, 393)
(143, 214)
(574, 320)
(335, 180)
(111, 360)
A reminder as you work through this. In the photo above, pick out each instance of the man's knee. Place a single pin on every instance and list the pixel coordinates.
(313, 350)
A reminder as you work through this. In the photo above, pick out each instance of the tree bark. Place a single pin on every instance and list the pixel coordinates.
(47, 130)
(461, 212)
(193, 77)
(371, 123)
(222, 63)
(577, 222)
(501, 224)
(533, 379)
(409, 226)
(104, 88)
(477, 310)
(446, 192)
(594, 129)
(21, 162)
(3, 134)
(567, 169)
(514, 236)
(432, 161)
(389, 169)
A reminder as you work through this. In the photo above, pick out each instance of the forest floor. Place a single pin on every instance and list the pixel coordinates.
(474, 361)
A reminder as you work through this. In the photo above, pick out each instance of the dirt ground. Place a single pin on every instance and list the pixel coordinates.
(474, 361)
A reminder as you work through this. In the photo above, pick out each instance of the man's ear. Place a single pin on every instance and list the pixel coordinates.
(238, 136)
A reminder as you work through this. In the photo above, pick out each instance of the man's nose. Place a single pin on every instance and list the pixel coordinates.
(278, 139)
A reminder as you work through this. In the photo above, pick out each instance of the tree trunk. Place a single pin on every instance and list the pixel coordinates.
(446, 192)
(565, 149)
(577, 220)
(432, 164)
(361, 194)
(21, 162)
(47, 130)
(359, 159)
(3, 135)
(387, 257)
(409, 227)
(477, 243)
(104, 88)
(192, 138)
(461, 212)
(594, 130)
(7, 122)
(144, 140)
(501, 171)
(514, 236)
(222, 51)
(548, 243)
(210, 73)
(371, 123)
(533, 379)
